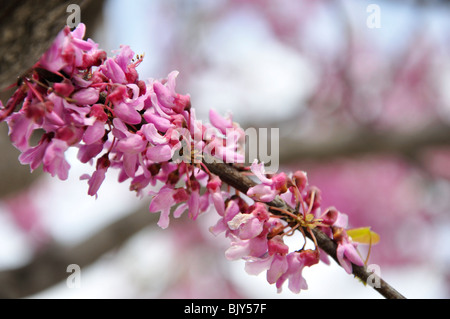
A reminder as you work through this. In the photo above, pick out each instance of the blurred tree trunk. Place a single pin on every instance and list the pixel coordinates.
(28, 27)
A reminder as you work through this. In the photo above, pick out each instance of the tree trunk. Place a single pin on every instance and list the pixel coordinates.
(28, 27)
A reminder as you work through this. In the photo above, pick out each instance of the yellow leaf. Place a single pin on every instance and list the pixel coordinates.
(363, 235)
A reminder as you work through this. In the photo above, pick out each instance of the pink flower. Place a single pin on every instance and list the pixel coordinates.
(277, 268)
(249, 225)
(162, 124)
(86, 96)
(67, 50)
(127, 113)
(54, 160)
(97, 178)
(296, 262)
(113, 71)
(94, 133)
(131, 147)
(259, 171)
(246, 226)
(163, 201)
(64, 88)
(152, 135)
(255, 247)
(89, 151)
(53, 59)
(347, 254)
(332, 217)
(194, 199)
(269, 187)
(217, 198)
(34, 155)
(274, 262)
(20, 130)
(159, 153)
(220, 122)
(262, 192)
(168, 98)
(231, 210)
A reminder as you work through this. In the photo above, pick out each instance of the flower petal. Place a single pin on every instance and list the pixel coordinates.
(159, 153)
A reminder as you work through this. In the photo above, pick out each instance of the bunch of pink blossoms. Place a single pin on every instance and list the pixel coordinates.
(75, 96)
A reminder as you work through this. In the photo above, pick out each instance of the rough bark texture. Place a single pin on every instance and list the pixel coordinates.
(28, 27)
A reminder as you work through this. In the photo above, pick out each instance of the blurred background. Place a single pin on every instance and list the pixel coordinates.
(360, 91)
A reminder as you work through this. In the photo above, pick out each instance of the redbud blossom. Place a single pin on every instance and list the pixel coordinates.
(77, 97)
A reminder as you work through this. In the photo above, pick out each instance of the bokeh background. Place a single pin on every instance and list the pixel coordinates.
(365, 111)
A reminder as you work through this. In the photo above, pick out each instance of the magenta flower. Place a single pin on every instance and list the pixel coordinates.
(220, 122)
(255, 247)
(34, 155)
(97, 178)
(86, 96)
(20, 130)
(167, 98)
(296, 261)
(269, 187)
(54, 59)
(277, 268)
(162, 202)
(162, 124)
(214, 189)
(249, 225)
(347, 254)
(131, 147)
(65, 88)
(231, 210)
(54, 161)
(274, 261)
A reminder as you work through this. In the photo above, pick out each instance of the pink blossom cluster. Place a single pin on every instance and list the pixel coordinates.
(75, 96)
(257, 230)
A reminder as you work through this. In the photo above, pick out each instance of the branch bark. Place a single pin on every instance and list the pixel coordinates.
(363, 142)
(234, 178)
(28, 27)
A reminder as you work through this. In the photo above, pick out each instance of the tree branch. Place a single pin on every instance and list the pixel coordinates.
(49, 266)
(362, 142)
(234, 178)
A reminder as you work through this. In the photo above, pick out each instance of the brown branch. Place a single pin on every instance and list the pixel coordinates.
(49, 266)
(363, 142)
(234, 178)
